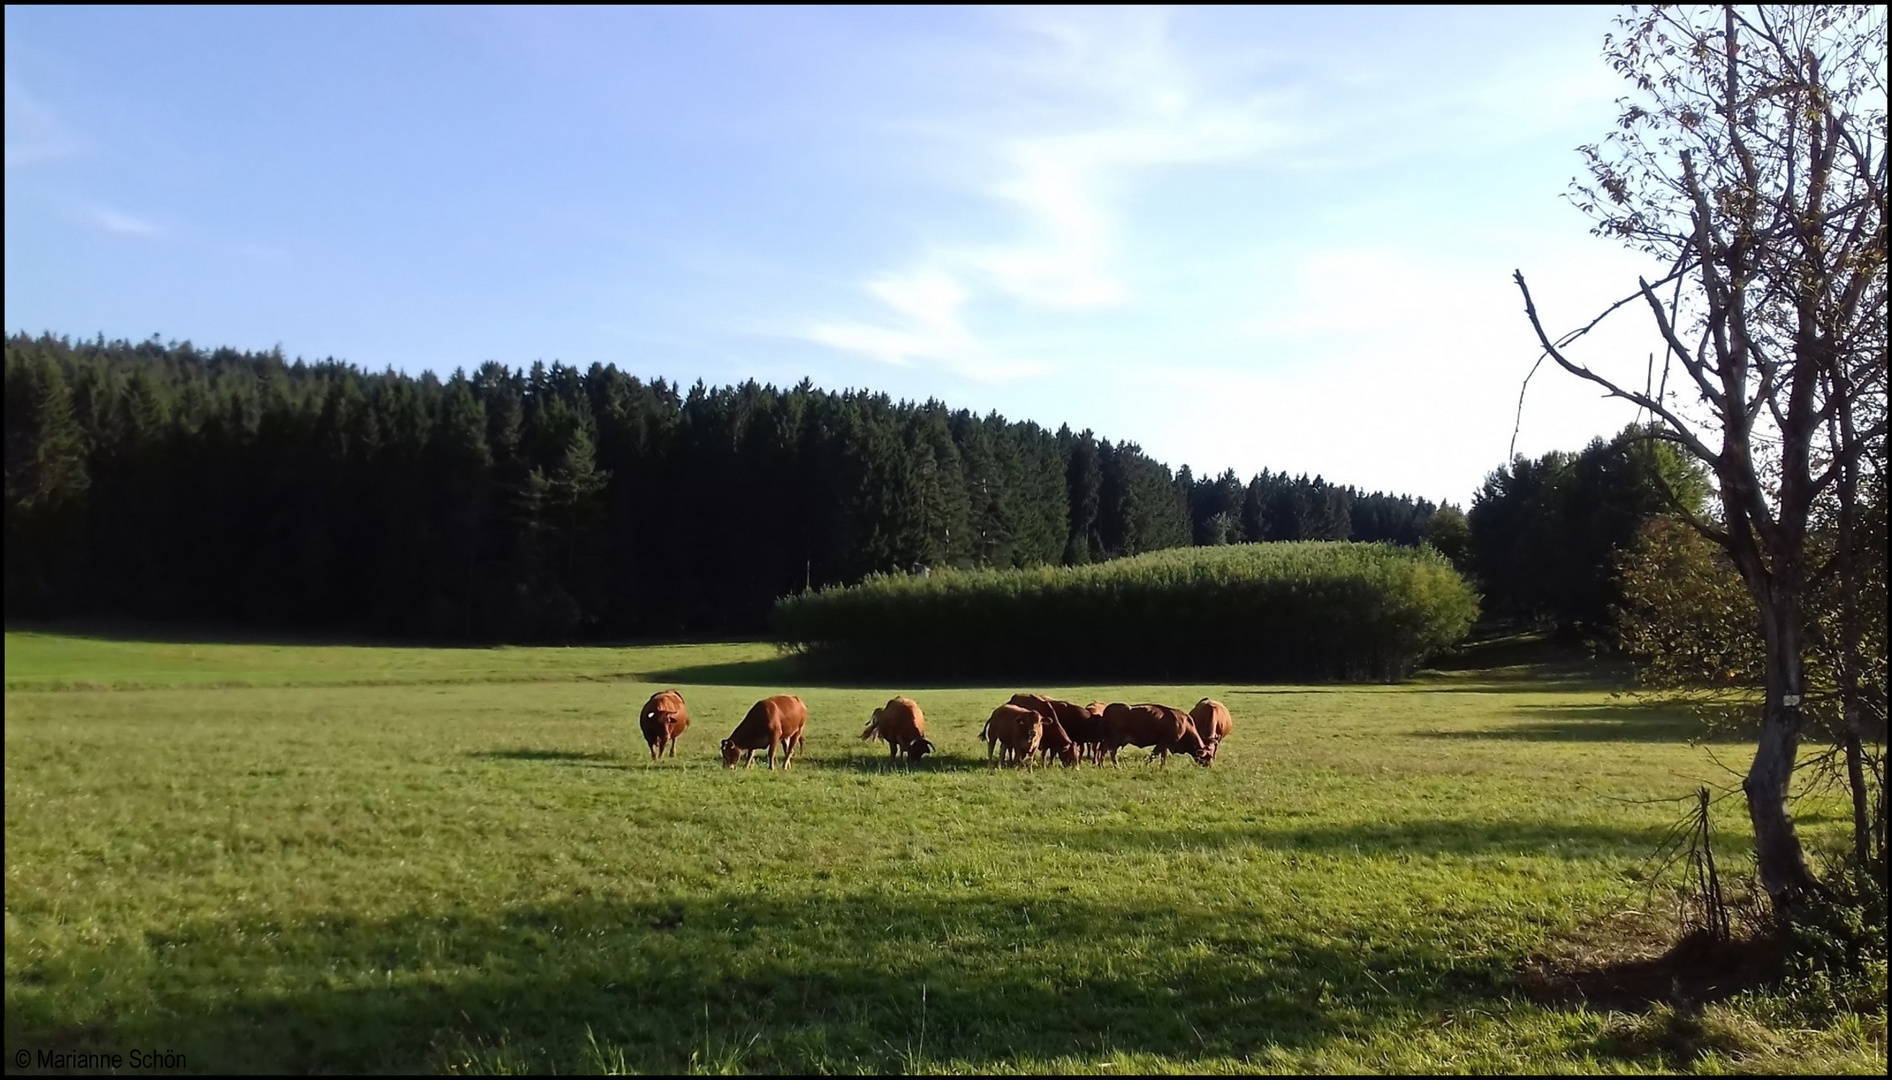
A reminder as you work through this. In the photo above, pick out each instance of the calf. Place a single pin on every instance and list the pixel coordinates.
(664, 717)
(1212, 723)
(901, 723)
(1015, 730)
(1165, 730)
(773, 721)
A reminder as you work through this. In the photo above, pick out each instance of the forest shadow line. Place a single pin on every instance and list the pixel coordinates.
(211, 632)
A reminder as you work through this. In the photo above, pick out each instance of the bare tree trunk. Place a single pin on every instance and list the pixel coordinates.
(1781, 860)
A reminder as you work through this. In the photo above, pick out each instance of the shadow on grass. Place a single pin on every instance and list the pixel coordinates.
(730, 982)
(1694, 970)
(187, 632)
(1430, 837)
(529, 754)
(880, 763)
(773, 672)
(1602, 723)
(785, 673)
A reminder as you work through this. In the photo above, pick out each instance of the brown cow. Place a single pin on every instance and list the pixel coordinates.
(1075, 722)
(1054, 741)
(1015, 730)
(901, 723)
(1213, 723)
(1094, 724)
(773, 721)
(1165, 730)
(664, 717)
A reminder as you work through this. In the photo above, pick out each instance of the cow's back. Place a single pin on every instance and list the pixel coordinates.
(1082, 725)
(901, 721)
(771, 720)
(791, 715)
(1213, 721)
(1149, 724)
(664, 713)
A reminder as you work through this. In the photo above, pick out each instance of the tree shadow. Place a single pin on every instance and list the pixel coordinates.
(732, 982)
(1695, 970)
(1603, 723)
(1429, 837)
(773, 671)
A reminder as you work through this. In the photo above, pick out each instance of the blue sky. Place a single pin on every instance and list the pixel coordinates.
(1251, 238)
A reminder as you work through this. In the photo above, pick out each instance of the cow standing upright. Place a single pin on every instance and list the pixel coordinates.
(772, 722)
(1015, 731)
(901, 723)
(663, 718)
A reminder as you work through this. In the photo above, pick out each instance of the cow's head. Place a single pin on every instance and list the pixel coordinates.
(730, 753)
(919, 748)
(1069, 755)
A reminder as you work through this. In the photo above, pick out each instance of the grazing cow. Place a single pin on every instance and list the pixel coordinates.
(1083, 728)
(901, 723)
(1212, 723)
(665, 717)
(1165, 730)
(1054, 741)
(773, 721)
(1015, 730)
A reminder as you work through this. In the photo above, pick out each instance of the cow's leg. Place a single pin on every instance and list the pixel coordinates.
(893, 750)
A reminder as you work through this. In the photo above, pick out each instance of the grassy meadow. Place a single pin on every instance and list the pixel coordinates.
(325, 858)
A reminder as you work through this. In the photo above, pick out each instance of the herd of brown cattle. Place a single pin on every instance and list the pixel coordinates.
(1028, 727)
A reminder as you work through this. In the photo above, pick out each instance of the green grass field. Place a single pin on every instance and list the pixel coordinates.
(313, 858)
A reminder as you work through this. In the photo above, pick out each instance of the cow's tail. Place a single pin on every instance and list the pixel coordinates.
(873, 726)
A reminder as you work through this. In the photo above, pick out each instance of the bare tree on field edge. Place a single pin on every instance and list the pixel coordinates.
(1750, 160)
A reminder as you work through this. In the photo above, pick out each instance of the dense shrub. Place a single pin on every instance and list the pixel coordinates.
(1309, 610)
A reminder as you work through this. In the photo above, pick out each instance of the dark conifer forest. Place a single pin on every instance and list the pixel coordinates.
(166, 482)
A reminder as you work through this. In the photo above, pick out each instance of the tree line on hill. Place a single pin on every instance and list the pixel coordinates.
(164, 481)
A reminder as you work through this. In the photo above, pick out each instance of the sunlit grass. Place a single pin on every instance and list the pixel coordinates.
(401, 859)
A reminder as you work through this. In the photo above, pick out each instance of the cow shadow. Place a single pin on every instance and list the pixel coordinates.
(948, 761)
(740, 982)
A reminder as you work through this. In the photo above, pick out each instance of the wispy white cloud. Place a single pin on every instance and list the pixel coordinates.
(929, 325)
(35, 133)
(118, 223)
(1121, 102)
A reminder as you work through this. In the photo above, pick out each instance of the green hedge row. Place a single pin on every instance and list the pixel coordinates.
(1255, 611)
